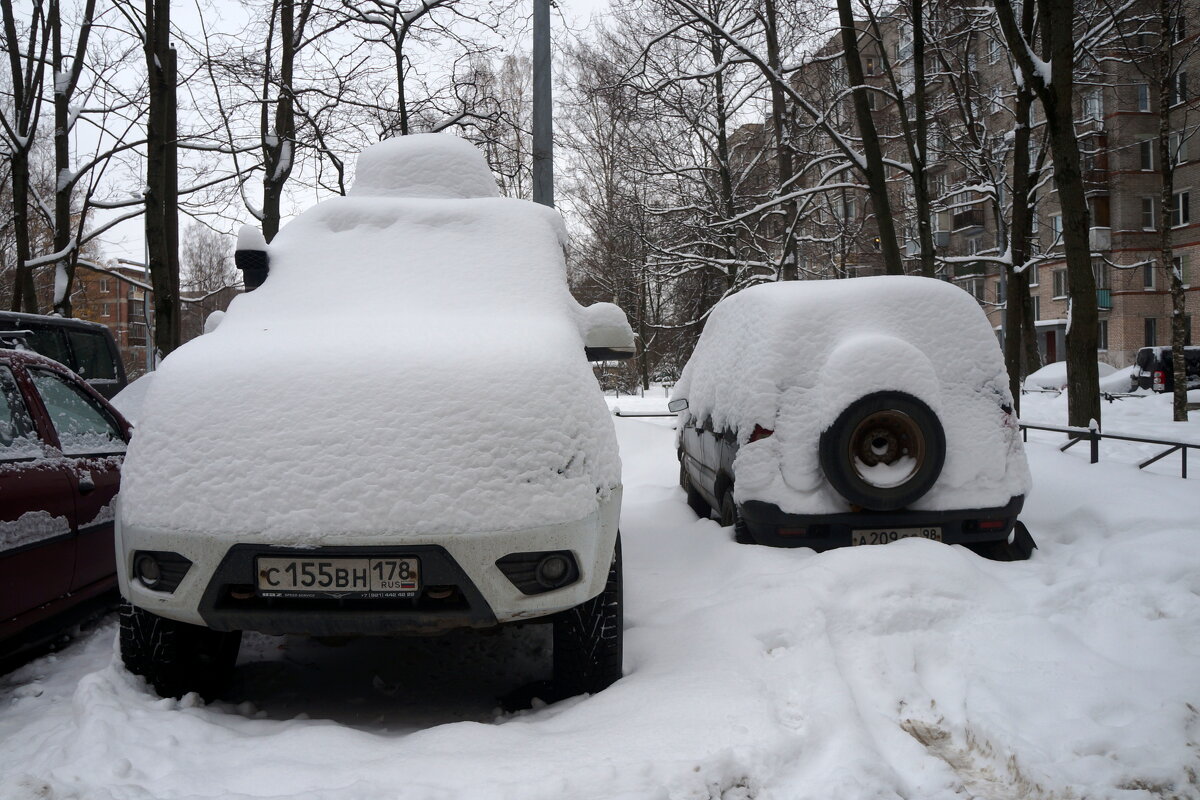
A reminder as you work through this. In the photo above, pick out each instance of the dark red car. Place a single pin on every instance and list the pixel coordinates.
(61, 448)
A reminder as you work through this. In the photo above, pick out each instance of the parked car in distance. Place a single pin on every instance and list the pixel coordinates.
(61, 447)
(1153, 369)
(397, 432)
(832, 413)
(88, 348)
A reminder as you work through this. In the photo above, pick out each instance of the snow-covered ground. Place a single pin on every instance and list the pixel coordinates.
(915, 670)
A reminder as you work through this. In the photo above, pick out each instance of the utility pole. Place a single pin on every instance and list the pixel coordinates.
(543, 117)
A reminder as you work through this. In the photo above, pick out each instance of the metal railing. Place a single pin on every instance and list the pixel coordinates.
(1093, 438)
(1077, 435)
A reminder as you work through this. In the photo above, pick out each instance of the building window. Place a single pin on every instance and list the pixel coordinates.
(1179, 265)
(104, 286)
(1142, 93)
(104, 310)
(1148, 214)
(1179, 92)
(1177, 148)
(1093, 104)
(1148, 275)
(1060, 283)
(869, 66)
(1055, 228)
(1100, 273)
(1102, 336)
(1146, 154)
(1037, 308)
(1181, 212)
(993, 51)
(1178, 28)
(871, 100)
(1151, 325)
(1033, 275)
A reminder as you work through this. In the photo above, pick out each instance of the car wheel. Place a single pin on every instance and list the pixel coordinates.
(587, 639)
(175, 657)
(695, 500)
(884, 452)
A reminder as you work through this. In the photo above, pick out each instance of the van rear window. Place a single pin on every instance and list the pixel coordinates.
(48, 342)
(92, 355)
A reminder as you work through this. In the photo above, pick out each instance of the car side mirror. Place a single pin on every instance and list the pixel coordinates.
(606, 333)
(675, 406)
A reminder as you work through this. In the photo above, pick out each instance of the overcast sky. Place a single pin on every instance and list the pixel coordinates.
(127, 240)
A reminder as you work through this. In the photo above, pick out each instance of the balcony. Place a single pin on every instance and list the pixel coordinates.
(1104, 299)
(1100, 239)
(971, 218)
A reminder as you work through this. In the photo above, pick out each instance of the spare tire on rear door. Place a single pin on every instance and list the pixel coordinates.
(884, 451)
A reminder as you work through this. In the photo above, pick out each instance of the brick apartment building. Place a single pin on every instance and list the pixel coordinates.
(117, 299)
(1118, 118)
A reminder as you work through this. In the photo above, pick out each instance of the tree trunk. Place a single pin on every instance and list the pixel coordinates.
(1163, 66)
(920, 177)
(64, 89)
(1057, 29)
(279, 143)
(26, 103)
(161, 205)
(783, 146)
(874, 170)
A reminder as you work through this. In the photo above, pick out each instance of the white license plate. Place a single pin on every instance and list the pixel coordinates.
(885, 535)
(341, 577)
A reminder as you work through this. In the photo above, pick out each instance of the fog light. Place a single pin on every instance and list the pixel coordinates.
(552, 570)
(145, 566)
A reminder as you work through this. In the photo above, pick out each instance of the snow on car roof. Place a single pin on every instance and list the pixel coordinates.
(791, 356)
(383, 373)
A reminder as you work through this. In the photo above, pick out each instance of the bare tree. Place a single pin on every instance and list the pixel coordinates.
(206, 259)
(26, 47)
(1052, 77)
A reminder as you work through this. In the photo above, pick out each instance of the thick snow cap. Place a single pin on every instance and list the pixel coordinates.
(410, 364)
(431, 165)
(792, 356)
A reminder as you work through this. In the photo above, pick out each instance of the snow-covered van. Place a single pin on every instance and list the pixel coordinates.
(397, 432)
(849, 412)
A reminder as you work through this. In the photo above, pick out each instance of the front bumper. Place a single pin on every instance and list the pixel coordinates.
(214, 593)
(770, 526)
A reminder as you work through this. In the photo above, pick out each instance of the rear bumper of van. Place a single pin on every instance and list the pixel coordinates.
(770, 526)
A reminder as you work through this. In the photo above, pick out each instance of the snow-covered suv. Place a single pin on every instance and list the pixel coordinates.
(397, 432)
(850, 412)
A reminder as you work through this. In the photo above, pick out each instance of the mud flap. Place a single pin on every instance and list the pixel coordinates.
(1019, 549)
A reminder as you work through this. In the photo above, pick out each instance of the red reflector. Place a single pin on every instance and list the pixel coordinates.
(759, 433)
(991, 524)
(793, 531)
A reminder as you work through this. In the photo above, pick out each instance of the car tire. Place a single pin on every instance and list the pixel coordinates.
(741, 532)
(729, 513)
(176, 657)
(880, 429)
(588, 639)
(695, 500)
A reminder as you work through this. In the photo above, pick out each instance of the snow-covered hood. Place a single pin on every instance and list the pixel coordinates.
(410, 363)
(792, 356)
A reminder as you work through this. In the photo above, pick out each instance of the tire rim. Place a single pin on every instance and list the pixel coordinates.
(887, 449)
